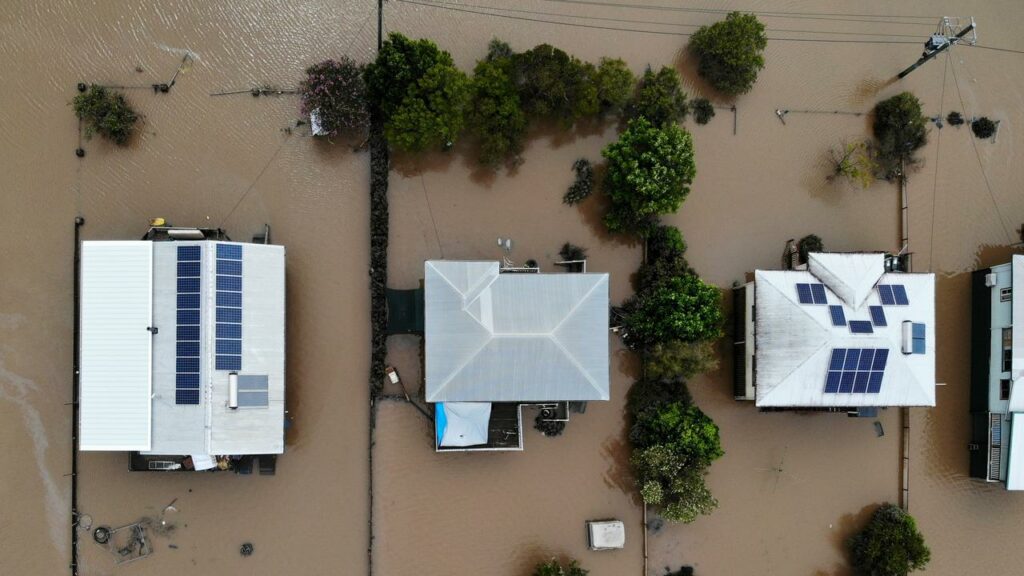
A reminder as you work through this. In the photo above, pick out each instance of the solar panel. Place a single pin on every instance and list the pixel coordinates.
(229, 251)
(188, 333)
(229, 330)
(229, 347)
(187, 380)
(856, 370)
(188, 285)
(228, 363)
(188, 316)
(229, 299)
(803, 291)
(885, 293)
(188, 269)
(918, 332)
(229, 283)
(838, 316)
(229, 307)
(189, 253)
(229, 315)
(188, 365)
(188, 349)
(818, 294)
(232, 267)
(186, 396)
(899, 293)
(877, 315)
(861, 327)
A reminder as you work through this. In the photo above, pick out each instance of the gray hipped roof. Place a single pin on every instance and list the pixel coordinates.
(493, 337)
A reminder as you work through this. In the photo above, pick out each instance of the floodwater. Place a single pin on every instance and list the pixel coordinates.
(791, 487)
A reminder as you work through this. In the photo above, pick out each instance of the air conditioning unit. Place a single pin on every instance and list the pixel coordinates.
(990, 280)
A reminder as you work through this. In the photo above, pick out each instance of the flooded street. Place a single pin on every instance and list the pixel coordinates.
(791, 487)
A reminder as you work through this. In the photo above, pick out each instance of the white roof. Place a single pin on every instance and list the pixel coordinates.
(607, 534)
(1017, 366)
(206, 425)
(115, 374)
(794, 341)
(493, 337)
(1015, 466)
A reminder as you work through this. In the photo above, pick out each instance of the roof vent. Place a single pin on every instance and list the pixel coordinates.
(990, 280)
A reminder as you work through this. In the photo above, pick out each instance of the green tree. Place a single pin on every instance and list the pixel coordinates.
(853, 161)
(554, 568)
(433, 112)
(678, 359)
(583, 185)
(337, 91)
(890, 545)
(496, 116)
(808, 244)
(399, 66)
(106, 113)
(614, 82)
(665, 257)
(983, 127)
(649, 171)
(730, 52)
(703, 110)
(900, 129)
(555, 85)
(677, 308)
(659, 98)
(685, 429)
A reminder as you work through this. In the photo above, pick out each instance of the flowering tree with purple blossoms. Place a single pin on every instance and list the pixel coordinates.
(336, 88)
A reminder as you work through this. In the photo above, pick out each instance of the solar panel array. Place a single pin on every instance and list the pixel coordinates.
(861, 327)
(229, 307)
(811, 293)
(893, 294)
(917, 333)
(838, 316)
(186, 384)
(856, 370)
(877, 315)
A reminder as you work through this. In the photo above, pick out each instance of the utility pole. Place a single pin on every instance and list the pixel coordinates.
(380, 24)
(950, 32)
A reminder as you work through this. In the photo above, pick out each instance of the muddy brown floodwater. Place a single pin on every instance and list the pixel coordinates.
(791, 487)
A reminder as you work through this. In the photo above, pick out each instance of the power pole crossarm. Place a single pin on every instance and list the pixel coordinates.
(949, 33)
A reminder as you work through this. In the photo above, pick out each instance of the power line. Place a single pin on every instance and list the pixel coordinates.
(839, 16)
(935, 177)
(640, 31)
(1010, 50)
(981, 166)
(654, 22)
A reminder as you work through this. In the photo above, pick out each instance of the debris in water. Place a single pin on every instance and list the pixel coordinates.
(246, 549)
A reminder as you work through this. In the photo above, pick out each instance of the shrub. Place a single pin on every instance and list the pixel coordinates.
(677, 359)
(555, 85)
(730, 52)
(649, 394)
(900, 130)
(983, 127)
(853, 161)
(554, 568)
(665, 258)
(614, 82)
(547, 427)
(107, 113)
(659, 98)
(808, 244)
(499, 50)
(433, 112)
(399, 66)
(570, 252)
(584, 183)
(682, 427)
(703, 110)
(955, 118)
(649, 173)
(337, 90)
(677, 308)
(890, 545)
(496, 116)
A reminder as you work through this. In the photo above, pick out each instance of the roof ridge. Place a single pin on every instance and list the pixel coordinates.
(575, 363)
(576, 306)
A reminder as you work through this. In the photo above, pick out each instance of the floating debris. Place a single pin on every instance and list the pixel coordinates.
(246, 549)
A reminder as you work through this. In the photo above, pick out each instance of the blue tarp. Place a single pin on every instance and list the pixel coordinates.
(440, 422)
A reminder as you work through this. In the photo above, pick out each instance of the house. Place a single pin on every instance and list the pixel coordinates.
(497, 340)
(182, 350)
(842, 335)
(997, 368)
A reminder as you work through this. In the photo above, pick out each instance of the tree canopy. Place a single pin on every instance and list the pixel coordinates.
(900, 129)
(678, 359)
(890, 545)
(107, 113)
(649, 171)
(676, 308)
(555, 568)
(496, 115)
(730, 52)
(614, 82)
(659, 98)
(554, 84)
(336, 90)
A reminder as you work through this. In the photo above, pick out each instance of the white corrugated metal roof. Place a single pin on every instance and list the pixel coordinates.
(1015, 465)
(493, 337)
(794, 341)
(116, 347)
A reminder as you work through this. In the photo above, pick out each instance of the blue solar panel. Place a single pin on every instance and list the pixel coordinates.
(856, 370)
(899, 293)
(188, 332)
(188, 253)
(229, 330)
(232, 267)
(918, 332)
(229, 299)
(229, 347)
(229, 251)
(188, 269)
(877, 315)
(229, 315)
(188, 301)
(188, 365)
(229, 283)
(188, 316)
(803, 292)
(229, 363)
(885, 293)
(838, 316)
(861, 327)
(818, 294)
(188, 349)
(188, 285)
(184, 396)
(184, 380)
